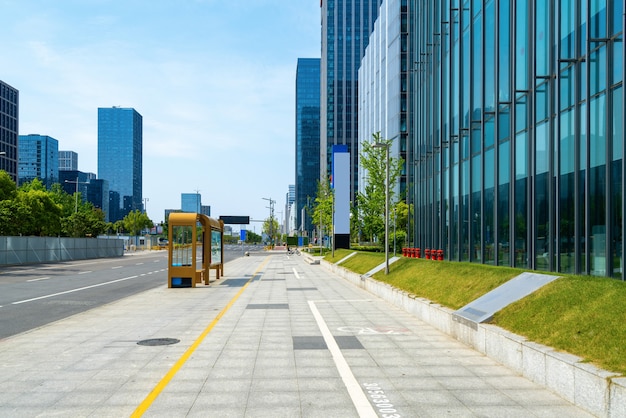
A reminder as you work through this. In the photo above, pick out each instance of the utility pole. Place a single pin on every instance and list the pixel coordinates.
(271, 208)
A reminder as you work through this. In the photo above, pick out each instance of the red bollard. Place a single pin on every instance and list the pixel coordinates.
(440, 255)
(409, 252)
(412, 252)
(427, 254)
(418, 253)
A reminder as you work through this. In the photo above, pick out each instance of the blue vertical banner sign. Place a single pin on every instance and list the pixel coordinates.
(341, 185)
(242, 235)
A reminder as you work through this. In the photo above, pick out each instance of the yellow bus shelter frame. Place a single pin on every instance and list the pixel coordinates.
(184, 244)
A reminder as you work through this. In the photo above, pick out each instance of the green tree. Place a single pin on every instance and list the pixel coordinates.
(323, 206)
(135, 221)
(85, 223)
(44, 214)
(371, 202)
(251, 237)
(272, 229)
(7, 186)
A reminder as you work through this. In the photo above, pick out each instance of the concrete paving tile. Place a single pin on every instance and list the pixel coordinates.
(308, 371)
(432, 397)
(275, 384)
(325, 412)
(476, 397)
(272, 411)
(227, 385)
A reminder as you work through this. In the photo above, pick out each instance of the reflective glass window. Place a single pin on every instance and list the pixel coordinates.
(598, 76)
(616, 183)
(522, 53)
(504, 52)
(521, 121)
(617, 10)
(618, 64)
(542, 56)
(598, 18)
(567, 16)
(541, 197)
(521, 191)
(490, 54)
(597, 185)
(503, 222)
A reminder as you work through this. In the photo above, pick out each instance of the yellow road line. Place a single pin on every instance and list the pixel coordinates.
(147, 402)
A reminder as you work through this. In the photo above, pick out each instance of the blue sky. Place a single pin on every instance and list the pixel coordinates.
(213, 79)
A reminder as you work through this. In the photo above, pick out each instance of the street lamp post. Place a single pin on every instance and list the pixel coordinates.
(76, 193)
(386, 146)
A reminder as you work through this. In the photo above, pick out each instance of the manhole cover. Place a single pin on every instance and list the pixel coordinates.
(159, 341)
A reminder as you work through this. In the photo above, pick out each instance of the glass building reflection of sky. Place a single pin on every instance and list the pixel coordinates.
(120, 158)
(518, 133)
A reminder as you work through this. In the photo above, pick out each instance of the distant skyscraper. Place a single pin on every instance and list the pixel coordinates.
(120, 140)
(307, 139)
(191, 202)
(9, 111)
(38, 159)
(68, 160)
(346, 26)
(383, 87)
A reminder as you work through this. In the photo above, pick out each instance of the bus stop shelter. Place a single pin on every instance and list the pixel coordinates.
(196, 246)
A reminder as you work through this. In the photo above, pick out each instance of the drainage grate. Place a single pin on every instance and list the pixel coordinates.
(234, 282)
(159, 341)
(301, 288)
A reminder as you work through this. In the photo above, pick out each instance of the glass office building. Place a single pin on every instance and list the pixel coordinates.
(307, 139)
(191, 202)
(346, 27)
(9, 116)
(68, 161)
(383, 86)
(38, 159)
(120, 158)
(518, 114)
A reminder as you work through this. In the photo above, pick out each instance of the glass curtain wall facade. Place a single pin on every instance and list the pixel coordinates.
(519, 137)
(346, 27)
(307, 140)
(120, 159)
(9, 111)
(38, 159)
(383, 86)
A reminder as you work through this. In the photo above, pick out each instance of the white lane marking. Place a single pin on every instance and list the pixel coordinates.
(73, 290)
(85, 272)
(116, 267)
(360, 401)
(36, 280)
(296, 273)
(138, 264)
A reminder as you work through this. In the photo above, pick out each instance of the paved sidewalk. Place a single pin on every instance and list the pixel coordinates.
(275, 337)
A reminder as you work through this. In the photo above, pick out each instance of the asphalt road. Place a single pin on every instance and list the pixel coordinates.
(35, 295)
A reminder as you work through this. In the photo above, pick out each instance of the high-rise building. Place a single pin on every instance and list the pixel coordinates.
(38, 159)
(307, 139)
(519, 133)
(9, 117)
(95, 191)
(346, 27)
(383, 87)
(120, 137)
(68, 161)
(191, 202)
